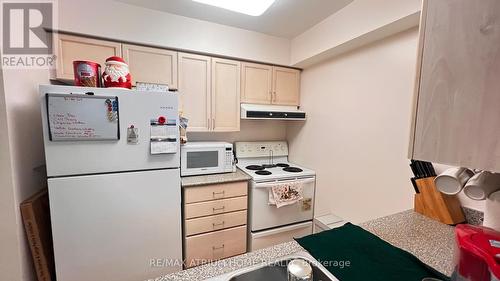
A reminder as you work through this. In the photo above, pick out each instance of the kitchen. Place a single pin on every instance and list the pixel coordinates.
(356, 88)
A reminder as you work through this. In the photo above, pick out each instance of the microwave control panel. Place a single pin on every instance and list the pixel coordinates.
(229, 158)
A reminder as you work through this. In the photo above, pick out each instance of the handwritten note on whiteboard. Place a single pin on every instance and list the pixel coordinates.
(82, 117)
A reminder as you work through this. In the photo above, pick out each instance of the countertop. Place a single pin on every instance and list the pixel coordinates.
(430, 241)
(214, 179)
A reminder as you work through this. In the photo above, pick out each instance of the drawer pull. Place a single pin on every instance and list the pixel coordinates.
(218, 193)
(219, 209)
(218, 248)
(218, 224)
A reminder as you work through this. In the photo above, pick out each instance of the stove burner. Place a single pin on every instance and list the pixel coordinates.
(282, 165)
(255, 167)
(293, 169)
(263, 172)
(268, 165)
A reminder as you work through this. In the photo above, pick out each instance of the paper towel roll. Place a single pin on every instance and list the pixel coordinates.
(492, 211)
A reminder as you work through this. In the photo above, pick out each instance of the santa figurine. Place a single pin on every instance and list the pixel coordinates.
(116, 73)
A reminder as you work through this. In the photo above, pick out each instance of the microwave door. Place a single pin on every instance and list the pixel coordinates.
(198, 161)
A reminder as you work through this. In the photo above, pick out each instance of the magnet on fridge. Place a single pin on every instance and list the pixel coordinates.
(132, 135)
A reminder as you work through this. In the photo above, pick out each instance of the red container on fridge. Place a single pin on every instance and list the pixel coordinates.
(478, 254)
(87, 73)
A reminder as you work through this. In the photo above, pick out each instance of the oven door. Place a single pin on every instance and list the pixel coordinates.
(202, 160)
(266, 216)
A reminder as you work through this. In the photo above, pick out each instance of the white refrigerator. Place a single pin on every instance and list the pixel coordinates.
(112, 159)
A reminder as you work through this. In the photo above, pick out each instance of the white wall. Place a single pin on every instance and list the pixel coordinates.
(131, 23)
(26, 146)
(251, 130)
(359, 23)
(356, 135)
(10, 255)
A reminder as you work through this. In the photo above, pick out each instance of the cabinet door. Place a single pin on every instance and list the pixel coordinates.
(457, 108)
(256, 81)
(225, 95)
(71, 48)
(151, 65)
(286, 86)
(194, 90)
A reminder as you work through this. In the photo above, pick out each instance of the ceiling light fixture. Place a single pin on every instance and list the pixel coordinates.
(249, 7)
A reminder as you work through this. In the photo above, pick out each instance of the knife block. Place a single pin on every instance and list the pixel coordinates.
(436, 205)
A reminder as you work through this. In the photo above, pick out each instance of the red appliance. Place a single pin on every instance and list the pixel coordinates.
(478, 254)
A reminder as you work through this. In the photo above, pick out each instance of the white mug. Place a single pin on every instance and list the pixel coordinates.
(481, 185)
(492, 211)
(452, 180)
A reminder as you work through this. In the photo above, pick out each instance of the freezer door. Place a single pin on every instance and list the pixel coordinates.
(89, 157)
(116, 227)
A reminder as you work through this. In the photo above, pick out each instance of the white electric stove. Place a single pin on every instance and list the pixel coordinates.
(267, 164)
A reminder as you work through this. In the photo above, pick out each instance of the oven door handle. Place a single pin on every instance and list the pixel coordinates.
(271, 184)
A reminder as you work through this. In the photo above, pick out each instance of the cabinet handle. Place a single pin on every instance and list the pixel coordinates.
(218, 248)
(218, 224)
(219, 209)
(219, 193)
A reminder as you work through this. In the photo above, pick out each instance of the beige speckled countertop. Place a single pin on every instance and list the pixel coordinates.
(215, 178)
(430, 241)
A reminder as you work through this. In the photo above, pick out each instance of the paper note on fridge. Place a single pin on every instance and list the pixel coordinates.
(159, 131)
(161, 147)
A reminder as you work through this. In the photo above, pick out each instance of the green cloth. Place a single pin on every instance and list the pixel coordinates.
(370, 258)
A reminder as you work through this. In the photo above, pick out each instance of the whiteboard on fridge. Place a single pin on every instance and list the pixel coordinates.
(74, 117)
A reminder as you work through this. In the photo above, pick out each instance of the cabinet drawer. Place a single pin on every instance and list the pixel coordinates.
(215, 191)
(215, 245)
(216, 207)
(212, 223)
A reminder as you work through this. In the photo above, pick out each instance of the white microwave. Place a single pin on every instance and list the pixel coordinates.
(201, 158)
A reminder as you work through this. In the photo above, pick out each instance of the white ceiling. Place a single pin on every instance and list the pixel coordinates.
(285, 18)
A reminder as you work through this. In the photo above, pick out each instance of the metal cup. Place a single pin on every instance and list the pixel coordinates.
(299, 270)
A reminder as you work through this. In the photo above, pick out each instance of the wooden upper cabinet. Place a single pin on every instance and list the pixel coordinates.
(265, 84)
(194, 90)
(256, 83)
(71, 48)
(225, 95)
(457, 101)
(152, 65)
(286, 86)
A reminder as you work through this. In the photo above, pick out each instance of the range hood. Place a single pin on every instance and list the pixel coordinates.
(277, 112)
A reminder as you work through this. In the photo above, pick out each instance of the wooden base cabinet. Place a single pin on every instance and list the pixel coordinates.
(217, 245)
(457, 100)
(215, 222)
